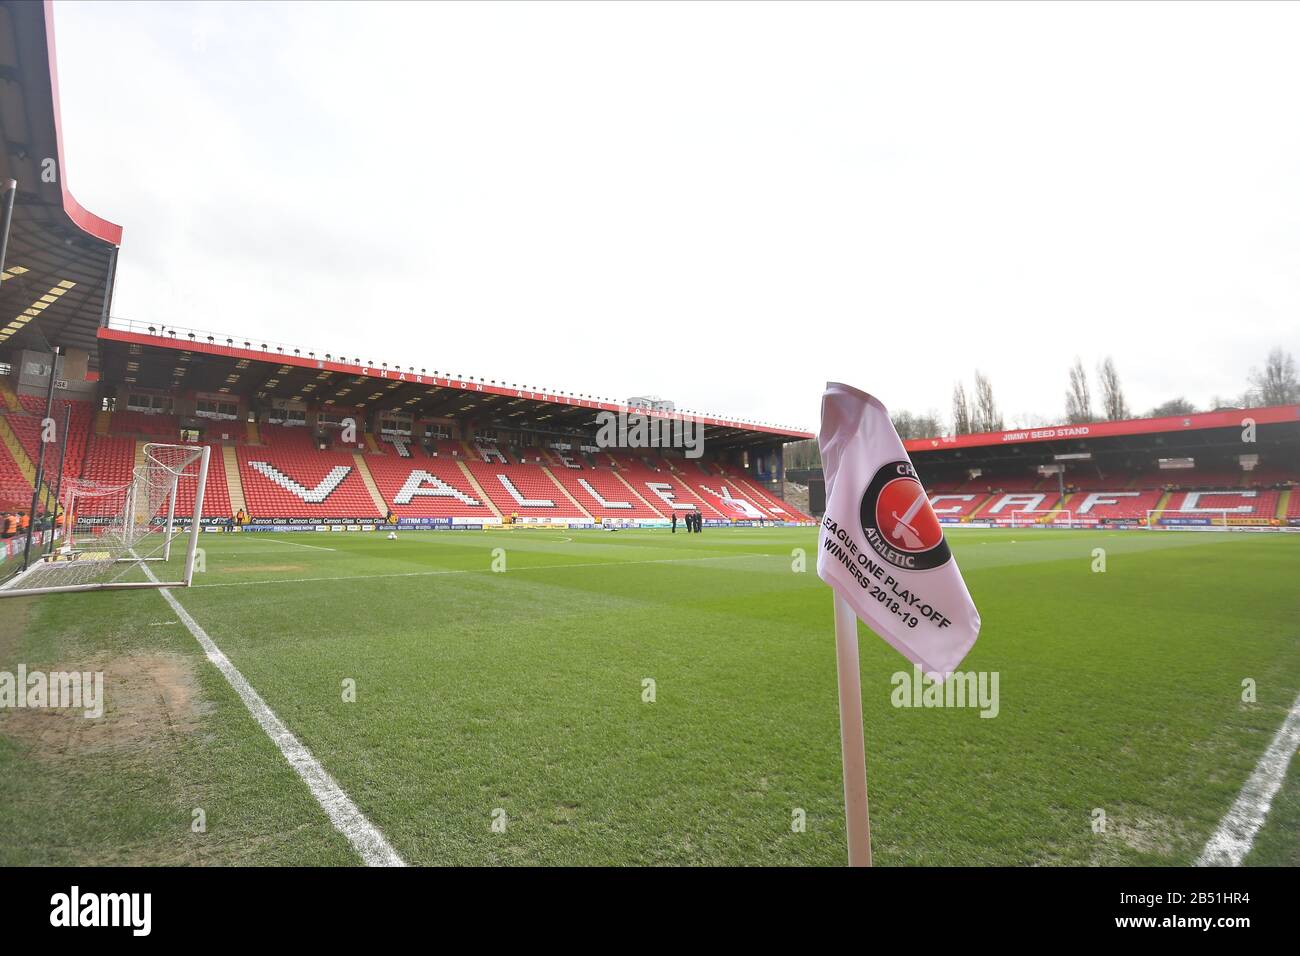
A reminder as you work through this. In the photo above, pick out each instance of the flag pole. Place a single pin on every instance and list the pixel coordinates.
(852, 746)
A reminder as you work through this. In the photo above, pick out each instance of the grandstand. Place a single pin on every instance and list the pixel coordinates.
(296, 471)
(458, 452)
(1226, 469)
(429, 450)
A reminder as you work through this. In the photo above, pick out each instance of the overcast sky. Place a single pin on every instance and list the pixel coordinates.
(725, 205)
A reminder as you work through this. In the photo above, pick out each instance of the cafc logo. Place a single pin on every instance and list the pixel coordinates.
(103, 909)
(898, 521)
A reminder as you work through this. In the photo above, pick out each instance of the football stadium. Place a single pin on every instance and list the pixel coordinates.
(267, 603)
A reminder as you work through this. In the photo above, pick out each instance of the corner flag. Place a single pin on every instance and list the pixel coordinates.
(883, 553)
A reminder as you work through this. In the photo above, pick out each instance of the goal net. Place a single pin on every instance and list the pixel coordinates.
(115, 532)
(1050, 518)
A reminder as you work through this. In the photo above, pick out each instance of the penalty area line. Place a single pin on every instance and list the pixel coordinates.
(1230, 843)
(364, 836)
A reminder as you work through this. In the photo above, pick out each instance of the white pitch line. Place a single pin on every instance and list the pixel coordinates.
(338, 806)
(1230, 843)
(424, 574)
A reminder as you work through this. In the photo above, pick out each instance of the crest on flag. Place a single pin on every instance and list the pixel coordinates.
(898, 521)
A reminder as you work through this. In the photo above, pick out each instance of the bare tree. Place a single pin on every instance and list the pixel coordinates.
(904, 424)
(1277, 384)
(1219, 404)
(1078, 400)
(987, 418)
(1112, 395)
(803, 454)
(930, 424)
(961, 423)
(910, 425)
(1175, 406)
(1029, 420)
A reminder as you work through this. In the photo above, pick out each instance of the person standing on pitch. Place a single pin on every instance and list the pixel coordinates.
(674, 522)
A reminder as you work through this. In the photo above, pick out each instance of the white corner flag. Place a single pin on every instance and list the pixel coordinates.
(883, 552)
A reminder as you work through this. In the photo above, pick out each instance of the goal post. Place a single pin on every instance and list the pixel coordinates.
(112, 531)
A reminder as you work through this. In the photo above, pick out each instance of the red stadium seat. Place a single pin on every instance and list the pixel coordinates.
(524, 490)
(427, 487)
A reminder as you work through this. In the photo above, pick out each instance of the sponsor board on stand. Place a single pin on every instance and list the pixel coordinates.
(424, 523)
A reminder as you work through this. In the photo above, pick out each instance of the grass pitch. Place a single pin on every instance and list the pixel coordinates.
(482, 693)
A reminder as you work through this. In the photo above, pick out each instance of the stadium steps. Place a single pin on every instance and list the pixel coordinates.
(1056, 509)
(234, 485)
(23, 462)
(372, 444)
(979, 507)
(1283, 505)
(250, 434)
(470, 454)
(1161, 505)
(10, 399)
(473, 483)
(138, 460)
(367, 479)
(639, 497)
(767, 500)
(546, 470)
(103, 423)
